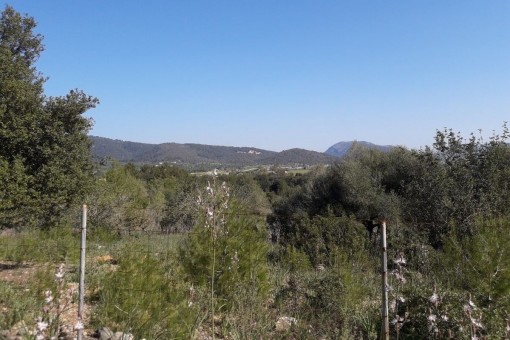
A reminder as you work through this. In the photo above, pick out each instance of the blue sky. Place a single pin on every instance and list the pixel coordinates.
(280, 74)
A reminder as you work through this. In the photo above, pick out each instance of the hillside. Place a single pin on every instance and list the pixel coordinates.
(342, 148)
(195, 154)
(300, 156)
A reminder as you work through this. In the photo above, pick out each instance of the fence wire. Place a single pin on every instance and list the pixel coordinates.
(129, 272)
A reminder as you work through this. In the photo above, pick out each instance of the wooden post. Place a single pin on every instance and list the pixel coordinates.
(385, 328)
(82, 270)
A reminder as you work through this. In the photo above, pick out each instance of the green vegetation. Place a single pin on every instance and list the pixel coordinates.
(45, 164)
(290, 255)
(242, 255)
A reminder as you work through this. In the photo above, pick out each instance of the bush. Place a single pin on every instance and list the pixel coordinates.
(144, 296)
(336, 301)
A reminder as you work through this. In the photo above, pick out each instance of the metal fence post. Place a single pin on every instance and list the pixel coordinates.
(385, 329)
(82, 270)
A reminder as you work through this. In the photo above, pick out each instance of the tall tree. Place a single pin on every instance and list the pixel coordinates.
(45, 163)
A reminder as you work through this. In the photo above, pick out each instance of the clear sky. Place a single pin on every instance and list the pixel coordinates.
(280, 74)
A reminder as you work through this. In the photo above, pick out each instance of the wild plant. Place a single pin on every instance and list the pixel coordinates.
(439, 322)
(474, 317)
(56, 302)
(225, 252)
(397, 306)
(215, 204)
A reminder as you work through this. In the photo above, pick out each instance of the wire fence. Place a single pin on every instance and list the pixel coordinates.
(116, 276)
(127, 272)
(118, 263)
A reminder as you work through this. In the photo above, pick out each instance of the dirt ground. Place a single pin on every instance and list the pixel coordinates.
(18, 273)
(21, 274)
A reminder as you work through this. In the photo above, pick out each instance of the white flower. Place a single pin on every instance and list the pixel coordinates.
(476, 323)
(434, 298)
(400, 278)
(225, 189)
(41, 326)
(210, 213)
(444, 318)
(48, 297)
(70, 292)
(471, 304)
(432, 318)
(209, 188)
(59, 274)
(400, 260)
(78, 325)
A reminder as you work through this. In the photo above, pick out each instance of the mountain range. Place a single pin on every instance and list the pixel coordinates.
(200, 154)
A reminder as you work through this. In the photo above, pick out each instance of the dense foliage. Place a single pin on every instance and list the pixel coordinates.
(447, 209)
(45, 163)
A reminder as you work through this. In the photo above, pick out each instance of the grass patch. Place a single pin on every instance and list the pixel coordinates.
(143, 294)
(60, 244)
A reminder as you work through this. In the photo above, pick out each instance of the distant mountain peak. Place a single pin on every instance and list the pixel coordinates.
(341, 149)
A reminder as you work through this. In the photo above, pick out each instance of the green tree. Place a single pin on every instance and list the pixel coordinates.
(120, 200)
(45, 163)
(456, 182)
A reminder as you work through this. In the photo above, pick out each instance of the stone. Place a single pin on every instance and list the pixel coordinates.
(284, 323)
(105, 333)
(122, 336)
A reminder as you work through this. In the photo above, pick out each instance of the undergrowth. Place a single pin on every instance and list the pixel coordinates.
(148, 285)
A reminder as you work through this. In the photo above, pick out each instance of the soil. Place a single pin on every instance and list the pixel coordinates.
(20, 274)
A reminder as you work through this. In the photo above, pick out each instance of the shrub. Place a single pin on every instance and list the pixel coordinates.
(143, 295)
(226, 253)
